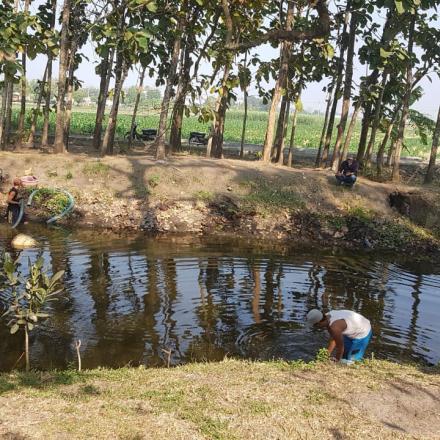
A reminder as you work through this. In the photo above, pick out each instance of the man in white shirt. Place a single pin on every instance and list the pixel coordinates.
(349, 331)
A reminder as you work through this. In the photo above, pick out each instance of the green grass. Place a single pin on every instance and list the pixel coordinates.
(308, 131)
(96, 169)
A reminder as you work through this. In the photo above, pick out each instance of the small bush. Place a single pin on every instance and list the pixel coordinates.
(205, 196)
(153, 181)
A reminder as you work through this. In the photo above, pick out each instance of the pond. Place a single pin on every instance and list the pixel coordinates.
(132, 299)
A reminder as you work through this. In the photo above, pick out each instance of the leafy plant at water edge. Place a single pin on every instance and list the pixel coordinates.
(28, 297)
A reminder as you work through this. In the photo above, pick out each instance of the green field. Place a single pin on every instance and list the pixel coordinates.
(308, 131)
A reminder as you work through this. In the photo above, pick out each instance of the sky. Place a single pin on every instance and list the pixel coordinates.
(313, 97)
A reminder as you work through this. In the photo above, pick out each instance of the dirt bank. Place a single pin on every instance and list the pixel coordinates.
(226, 400)
(204, 196)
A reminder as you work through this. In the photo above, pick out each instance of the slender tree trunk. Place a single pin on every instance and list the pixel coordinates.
(106, 74)
(21, 117)
(280, 129)
(179, 103)
(109, 137)
(69, 93)
(220, 116)
(8, 116)
(434, 149)
(280, 85)
(347, 92)
(405, 104)
(136, 103)
(243, 132)
(31, 138)
(160, 142)
(59, 146)
(339, 78)
(376, 120)
(3, 114)
(280, 158)
(350, 130)
(48, 84)
(324, 127)
(292, 133)
(47, 99)
(383, 145)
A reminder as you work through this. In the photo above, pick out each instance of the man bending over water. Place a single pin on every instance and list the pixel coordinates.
(349, 331)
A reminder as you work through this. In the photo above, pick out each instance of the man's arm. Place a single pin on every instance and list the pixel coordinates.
(336, 330)
(331, 346)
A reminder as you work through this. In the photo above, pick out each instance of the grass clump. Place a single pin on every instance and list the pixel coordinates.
(96, 169)
(204, 196)
(51, 200)
(272, 195)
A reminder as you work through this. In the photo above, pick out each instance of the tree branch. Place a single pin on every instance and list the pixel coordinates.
(320, 31)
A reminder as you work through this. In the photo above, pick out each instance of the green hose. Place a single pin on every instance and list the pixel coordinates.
(64, 212)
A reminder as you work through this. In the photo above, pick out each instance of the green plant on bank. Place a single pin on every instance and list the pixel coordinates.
(28, 297)
(96, 169)
(204, 196)
(153, 180)
(272, 195)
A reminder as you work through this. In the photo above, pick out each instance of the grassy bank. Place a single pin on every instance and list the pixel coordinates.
(308, 131)
(227, 400)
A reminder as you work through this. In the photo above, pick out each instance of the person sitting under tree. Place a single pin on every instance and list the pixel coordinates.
(350, 332)
(13, 210)
(347, 173)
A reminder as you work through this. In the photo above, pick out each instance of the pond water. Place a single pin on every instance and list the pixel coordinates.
(131, 299)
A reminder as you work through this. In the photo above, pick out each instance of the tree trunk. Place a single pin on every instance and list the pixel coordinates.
(160, 141)
(136, 103)
(324, 127)
(31, 138)
(220, 116)
(8, 116)
(347, 91)
(292, 134)
(69, 93)
(280, 158)
(179, 104)
(21, 117)
(350, 131)
(405, 104)
(280, 129)
(59, 146)
(376, 120)
(435, 141)
(381, 151)
(280, 85)
(243, 132)
(106, 74)
(109, 137)
(339, 78)
(48, 84)
(3, 114)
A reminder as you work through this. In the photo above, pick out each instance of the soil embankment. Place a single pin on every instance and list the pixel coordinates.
(205, 196)
(225, 400)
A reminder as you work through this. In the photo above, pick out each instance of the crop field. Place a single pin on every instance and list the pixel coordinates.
(308, 132)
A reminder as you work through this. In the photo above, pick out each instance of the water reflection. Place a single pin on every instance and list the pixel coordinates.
(131, 300)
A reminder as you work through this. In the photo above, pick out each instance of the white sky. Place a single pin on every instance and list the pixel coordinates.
(313, 97)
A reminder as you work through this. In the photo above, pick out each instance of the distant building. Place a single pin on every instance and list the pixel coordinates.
(87, 101)
(16, 97)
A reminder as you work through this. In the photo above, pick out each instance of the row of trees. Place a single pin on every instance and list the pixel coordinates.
(395, 39)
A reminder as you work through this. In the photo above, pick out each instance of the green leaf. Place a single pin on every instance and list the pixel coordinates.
(14, 329)
(152, 6)
(399, 7)
(384, 53)
(56, 277)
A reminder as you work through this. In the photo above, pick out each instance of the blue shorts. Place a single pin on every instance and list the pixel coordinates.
(354, 349)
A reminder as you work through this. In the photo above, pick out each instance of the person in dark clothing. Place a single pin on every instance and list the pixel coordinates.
(347, 173)
(14, 201)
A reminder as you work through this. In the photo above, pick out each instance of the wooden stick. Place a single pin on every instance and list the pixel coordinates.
(78, 354)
